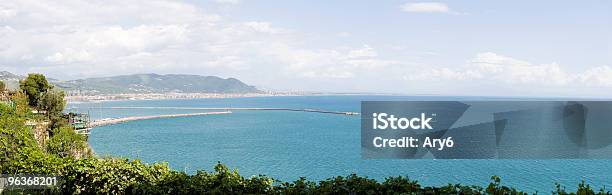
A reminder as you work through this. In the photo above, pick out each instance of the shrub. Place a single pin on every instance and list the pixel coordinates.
(65, 142)
(110, 176)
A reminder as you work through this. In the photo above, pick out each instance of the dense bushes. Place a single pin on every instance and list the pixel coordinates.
(110, 175)
(222, 180)
(66, 143)
(119, 176)
(14, 137)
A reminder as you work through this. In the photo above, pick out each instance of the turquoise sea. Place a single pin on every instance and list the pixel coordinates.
(287, 145)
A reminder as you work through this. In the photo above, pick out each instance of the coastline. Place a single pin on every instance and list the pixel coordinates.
(77, 99)
(159, 96)
(184, 96)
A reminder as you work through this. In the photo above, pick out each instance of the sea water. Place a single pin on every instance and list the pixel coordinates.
(287, 145)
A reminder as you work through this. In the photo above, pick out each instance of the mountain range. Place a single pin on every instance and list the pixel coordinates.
(143, 83)
(11, 80)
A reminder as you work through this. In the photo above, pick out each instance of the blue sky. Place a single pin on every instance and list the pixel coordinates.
(538, 31)
(516, 48)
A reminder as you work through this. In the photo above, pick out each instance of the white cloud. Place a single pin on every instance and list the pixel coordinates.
(331, 72)
(597, 76)
(67, 40)
(344, 34)
(366, 51)
(82, 39)
(494, 68)
(426, 7)
(230, 2)
(138, 38)
(116, 37)
(233, 62)
(69, 55)
(264, 27)
(333, 63)
(7, 13)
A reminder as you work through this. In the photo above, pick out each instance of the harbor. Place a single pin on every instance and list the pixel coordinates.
(83, 124)
(103, 122)
(238, 108)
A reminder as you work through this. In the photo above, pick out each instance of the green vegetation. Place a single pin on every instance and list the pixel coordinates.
(155, 83)
(22, 109)
(19, 147)
(65, 154)
(2, 86)
(65, 143)
(34, 85)
(52, 103)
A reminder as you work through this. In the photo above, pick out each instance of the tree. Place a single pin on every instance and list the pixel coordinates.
(52, 102)
(21, 103)
(34, 85)
(2, 87)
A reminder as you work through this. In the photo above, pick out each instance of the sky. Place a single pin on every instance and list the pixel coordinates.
(491, 48)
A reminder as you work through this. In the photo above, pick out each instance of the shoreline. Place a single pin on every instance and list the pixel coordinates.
(191, 96)
(171, 96)
(145, 97)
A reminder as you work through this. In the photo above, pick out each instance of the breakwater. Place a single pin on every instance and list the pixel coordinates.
(218, 110)
(134, 118)
(238, 108)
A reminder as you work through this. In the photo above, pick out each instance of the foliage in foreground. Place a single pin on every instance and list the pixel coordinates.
(119, 176)
(65, 143)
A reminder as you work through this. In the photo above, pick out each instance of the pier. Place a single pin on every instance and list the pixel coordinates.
(234, 108)
(134, 118)
(217, 110)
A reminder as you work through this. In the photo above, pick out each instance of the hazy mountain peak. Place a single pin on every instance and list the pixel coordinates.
(5, 75)
(148, 83)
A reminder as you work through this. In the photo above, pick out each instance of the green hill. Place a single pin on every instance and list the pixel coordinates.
(11, 80)
(152, 83)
